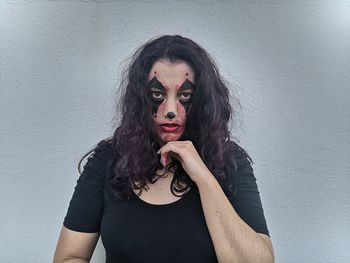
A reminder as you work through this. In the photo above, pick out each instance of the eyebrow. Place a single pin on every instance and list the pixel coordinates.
(155, 83)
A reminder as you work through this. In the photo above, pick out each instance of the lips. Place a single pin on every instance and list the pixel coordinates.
(169, 127)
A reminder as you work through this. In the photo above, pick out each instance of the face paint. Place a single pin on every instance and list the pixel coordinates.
(187, 85)
(171, 90)
(157, 98)
(154, 83)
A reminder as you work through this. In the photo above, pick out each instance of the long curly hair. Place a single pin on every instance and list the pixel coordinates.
(134, 141)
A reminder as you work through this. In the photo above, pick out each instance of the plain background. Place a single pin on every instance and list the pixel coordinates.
(287, 61)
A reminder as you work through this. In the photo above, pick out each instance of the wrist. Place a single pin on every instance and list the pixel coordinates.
(205, 179)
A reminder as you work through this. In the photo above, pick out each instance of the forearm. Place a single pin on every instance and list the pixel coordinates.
(233, 239)
(72, 260)
(76, 260)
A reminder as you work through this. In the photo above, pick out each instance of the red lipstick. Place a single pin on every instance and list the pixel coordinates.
(169, 127)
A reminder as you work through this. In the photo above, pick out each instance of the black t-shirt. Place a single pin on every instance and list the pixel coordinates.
(137, 231)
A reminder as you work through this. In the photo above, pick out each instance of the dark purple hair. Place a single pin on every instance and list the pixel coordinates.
(134, 141)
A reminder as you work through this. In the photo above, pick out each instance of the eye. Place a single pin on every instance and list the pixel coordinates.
(156, 95)
(186, 96)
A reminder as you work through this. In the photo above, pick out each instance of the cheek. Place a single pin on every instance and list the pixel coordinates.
(155, 107)
(186, 107)
(181, 110)
(159, 109)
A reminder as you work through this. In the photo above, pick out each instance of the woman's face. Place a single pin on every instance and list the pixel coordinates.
(171, 87)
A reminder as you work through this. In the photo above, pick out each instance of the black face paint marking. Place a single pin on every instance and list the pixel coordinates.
(187, 85)
(155, 83)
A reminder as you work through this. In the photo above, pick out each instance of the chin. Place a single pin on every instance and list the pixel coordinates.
(167, 139)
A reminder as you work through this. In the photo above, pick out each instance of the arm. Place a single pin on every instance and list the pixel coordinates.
(75, 247)
(233, 239)
(81, 226)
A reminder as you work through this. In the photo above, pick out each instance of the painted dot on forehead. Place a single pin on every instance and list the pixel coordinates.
(186, 73)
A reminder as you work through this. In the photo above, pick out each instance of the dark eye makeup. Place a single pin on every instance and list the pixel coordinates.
(158, 95)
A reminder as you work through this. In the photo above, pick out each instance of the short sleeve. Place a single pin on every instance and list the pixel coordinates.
(247, 201)
(86, 205)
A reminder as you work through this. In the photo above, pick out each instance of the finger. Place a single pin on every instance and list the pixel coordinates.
(179, 142)
(177, 151)
(165, 158)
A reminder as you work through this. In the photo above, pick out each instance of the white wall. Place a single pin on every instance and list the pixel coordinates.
(289, 64)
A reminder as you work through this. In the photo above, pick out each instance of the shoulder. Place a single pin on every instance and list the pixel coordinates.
(102, 151)
(100, 157)
(238, 165)
(236, 157)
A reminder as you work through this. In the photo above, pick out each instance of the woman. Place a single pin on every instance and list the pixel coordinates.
(169, 185)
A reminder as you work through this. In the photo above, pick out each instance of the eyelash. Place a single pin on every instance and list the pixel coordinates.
(189, 95)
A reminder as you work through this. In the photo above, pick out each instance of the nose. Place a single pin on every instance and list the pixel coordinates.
(170, 115)
(170, 110)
